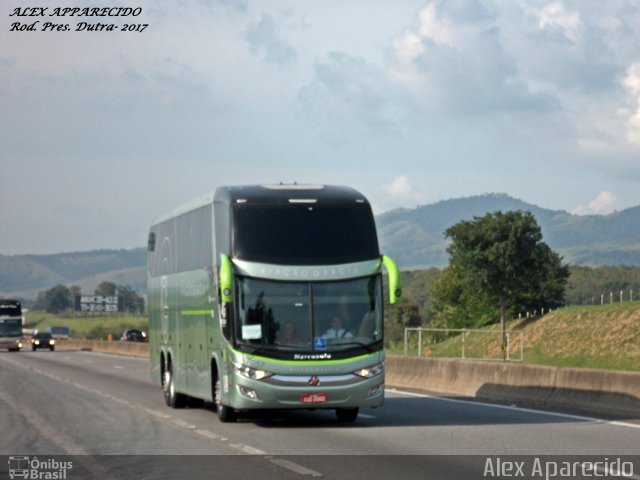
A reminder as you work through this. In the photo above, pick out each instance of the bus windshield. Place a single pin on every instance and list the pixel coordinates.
(11, 328)
(309, 316)
(304, 234)
(10, 308)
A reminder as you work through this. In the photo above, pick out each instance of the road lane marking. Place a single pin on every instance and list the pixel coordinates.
(583, 418)
(247, 449)
(294, 467)
(156, 413)
(183, 424)
(213, 436)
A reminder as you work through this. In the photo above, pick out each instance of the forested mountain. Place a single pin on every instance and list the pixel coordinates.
(413, 237)
(25, 275)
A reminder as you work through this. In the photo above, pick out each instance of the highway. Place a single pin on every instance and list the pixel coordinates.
(90, 405)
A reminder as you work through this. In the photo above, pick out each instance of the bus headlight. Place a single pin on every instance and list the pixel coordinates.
(370, 371)
(253, 373)
(37, 342)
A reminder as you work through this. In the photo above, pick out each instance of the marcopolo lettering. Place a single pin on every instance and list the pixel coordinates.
(312, 356)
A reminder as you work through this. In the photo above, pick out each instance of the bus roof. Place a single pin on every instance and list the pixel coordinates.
(272, 194)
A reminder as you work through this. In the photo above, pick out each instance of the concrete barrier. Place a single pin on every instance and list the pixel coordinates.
(131, 349)
(597, 391)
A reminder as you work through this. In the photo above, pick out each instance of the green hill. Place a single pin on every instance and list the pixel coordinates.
(24, 275)
(603, 336)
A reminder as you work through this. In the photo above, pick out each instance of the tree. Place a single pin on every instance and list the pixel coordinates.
(457, 304)
(130, 300)
(57, 299)
(106, 289)
(401, 316)
(501, 258)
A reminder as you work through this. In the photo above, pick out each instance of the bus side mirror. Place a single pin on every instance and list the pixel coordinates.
(226, 279)
(151, 243)
(395, 284)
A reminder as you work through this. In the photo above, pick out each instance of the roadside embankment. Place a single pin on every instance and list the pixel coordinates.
(599, 391)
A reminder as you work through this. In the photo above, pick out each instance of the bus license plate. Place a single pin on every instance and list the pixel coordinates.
(314, 398)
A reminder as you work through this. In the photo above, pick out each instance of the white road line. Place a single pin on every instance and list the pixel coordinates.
(247, 449)
(213, 436)
(518, 409)
(119, 367)
(156, 413)
(294, 467)
(364, 415)
(183, 424)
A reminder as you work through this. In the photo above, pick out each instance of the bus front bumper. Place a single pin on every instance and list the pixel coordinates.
(305, 392)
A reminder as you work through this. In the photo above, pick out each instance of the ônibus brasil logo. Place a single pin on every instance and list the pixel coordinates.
(35, 469)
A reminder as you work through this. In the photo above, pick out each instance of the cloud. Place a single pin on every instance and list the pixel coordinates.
(455, 59)
(264, 37)
(432, 27)
(555, 17)
(347, 98)
(604, 203)
(400, 188)
(632, 84)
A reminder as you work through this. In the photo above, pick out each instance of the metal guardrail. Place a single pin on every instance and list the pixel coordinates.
(469, 346)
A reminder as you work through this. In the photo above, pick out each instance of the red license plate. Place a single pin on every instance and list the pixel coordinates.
(314, 398)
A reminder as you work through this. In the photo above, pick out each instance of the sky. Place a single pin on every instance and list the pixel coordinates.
(410, 102)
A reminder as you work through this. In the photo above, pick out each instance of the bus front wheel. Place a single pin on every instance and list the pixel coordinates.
(225, 412)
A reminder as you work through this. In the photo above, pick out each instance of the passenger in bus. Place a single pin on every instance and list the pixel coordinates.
(336, 330)
(288, 335)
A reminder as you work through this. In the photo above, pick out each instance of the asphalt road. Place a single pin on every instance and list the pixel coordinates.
(103, 412)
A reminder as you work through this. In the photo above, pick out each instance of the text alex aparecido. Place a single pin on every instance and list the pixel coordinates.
(549, 469)
(94, 19)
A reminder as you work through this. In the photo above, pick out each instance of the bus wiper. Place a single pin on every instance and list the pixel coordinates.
(257, 350)
(368, 348)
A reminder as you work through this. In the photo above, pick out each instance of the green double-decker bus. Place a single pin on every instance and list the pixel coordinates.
(269, 297)
(11, 325)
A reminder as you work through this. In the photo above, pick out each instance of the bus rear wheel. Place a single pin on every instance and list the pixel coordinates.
(347, 414)
(171, 397)
(226, 414)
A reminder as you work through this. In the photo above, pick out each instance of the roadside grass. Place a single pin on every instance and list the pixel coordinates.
(87, 327)
(601, 336)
